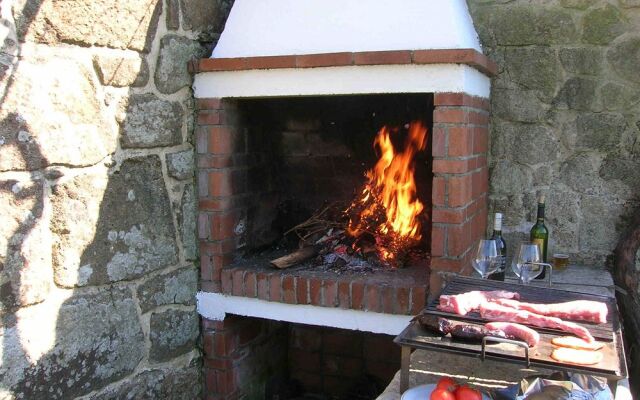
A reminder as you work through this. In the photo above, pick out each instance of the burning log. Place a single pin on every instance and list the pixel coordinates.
(295, 258)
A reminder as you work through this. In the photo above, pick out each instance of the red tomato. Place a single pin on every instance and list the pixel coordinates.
(447, 383)
(466, 393)
(442, 394)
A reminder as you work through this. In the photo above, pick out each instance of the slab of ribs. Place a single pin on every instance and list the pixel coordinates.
(507, 317)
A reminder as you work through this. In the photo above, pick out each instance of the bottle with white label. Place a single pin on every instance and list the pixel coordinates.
(501, 246)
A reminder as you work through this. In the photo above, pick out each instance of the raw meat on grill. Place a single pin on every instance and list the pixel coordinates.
(458, 330)
(471, 332)
(576, 343)
(578, 310)
(497, 312)
(433, 323)
(573, 356)
(464, 303)
(521, 332)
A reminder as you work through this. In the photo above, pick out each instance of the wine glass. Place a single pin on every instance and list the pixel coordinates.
(486, 258)
(526, 265)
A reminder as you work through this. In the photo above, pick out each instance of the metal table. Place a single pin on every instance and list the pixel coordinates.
(575, 278)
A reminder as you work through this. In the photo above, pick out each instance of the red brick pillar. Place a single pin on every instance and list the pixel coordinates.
(241, 353)
(222, 181)
(460, 181)
(219, 347)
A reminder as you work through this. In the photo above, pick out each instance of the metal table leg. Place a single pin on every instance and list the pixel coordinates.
(404, 368)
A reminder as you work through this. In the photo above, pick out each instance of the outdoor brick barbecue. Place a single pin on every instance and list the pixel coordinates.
(281, 133)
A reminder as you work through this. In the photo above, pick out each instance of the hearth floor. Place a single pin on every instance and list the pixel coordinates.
(384, 290)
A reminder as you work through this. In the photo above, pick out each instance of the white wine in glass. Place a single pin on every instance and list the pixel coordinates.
(485, 260)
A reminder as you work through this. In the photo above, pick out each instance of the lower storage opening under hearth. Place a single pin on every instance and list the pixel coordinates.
(287, 361)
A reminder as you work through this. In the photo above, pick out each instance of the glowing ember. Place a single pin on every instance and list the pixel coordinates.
(388, 207)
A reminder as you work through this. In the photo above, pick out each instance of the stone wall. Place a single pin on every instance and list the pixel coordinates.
(565, 121)
(565, 118)
(98, 254)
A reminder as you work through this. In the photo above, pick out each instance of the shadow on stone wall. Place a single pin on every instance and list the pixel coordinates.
(22, 277)
(95, 333)
(98, 275)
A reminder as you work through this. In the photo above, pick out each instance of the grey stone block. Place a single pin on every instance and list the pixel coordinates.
(97, 340)
(151, 122)
(40, 127)
(600, 131)
(172, 332)
(206, 17)
(187, 222)
(131, 231)
(180, 165)
(122, 71)
(581, 60)
(25, 262)
(524, 24)
(171, 69)
(602, 25)
(173, 14)
(177, 287)
(623, 57)
(535, 68)
(577, 94)
(175, 384)
(119, 24)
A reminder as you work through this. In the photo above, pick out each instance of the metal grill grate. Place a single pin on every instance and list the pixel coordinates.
(530, 294)
(612, 366)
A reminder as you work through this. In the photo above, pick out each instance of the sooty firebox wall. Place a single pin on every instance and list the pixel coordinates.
(308, 152)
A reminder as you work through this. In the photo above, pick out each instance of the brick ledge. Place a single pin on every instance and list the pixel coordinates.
(399, 291)
(470, 57)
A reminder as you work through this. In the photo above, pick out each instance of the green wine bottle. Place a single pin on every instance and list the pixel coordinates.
(540, 234)
(501, 246)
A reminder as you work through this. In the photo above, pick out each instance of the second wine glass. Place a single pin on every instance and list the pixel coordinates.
(485, 260)
(526, 264)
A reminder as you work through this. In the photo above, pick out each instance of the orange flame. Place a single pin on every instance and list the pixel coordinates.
(391, 189)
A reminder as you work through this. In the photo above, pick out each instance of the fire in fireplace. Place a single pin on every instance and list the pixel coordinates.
(338, 196)
(386, 216)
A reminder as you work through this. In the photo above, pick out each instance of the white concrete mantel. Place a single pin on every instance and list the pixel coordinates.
(277, 28)
(284, 27)
(369, 79)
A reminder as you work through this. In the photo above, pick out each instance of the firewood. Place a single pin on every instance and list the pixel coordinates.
(321, 221)
(295, 258)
